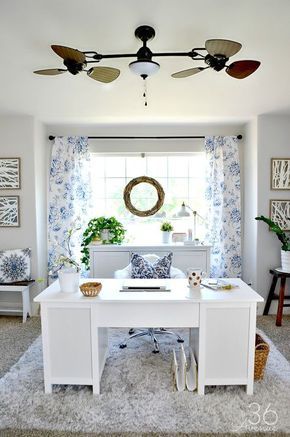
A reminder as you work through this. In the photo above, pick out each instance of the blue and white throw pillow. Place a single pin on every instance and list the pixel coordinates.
(15, 265)
(143, 269)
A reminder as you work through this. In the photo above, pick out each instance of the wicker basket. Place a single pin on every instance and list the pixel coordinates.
(91, 289)
(261, 355)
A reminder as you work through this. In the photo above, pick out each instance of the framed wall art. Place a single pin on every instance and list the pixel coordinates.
(9, 173)
(280, 173)
(280, 213)
(9, 211)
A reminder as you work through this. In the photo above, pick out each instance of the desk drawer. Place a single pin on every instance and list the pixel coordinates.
(150, 315)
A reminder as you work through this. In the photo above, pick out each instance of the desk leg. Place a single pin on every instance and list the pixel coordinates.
(99, 343)
(47, 388)
(99, 356)
(197, 348)
(45, 349)
(281, 302)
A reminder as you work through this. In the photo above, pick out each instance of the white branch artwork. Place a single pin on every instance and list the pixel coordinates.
(280, 174)
(9, 173)
(9, 211)
(280, 213)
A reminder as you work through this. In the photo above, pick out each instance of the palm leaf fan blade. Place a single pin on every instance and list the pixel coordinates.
(67, 53)
(223, 47)
(50, 71)
(104, 74)
(242, 69)
(186, 73)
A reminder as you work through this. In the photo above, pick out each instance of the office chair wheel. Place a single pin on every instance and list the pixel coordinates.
(155, 351)
(180, 340)
(122, 345)
(131, 331)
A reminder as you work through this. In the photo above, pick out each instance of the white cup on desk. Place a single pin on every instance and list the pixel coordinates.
(194, 277)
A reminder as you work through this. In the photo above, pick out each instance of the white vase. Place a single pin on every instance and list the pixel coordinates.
(69, 280)
(285, 260)
(166, 237)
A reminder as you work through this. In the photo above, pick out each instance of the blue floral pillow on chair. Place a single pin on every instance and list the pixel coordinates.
(143, 269)
(15, 265)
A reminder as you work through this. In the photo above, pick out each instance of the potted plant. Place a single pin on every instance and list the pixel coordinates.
(67, 267)
(166, 228)
(283, 238)
(107, 229)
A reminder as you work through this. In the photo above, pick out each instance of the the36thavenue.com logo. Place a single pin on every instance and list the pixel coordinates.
(259, 418)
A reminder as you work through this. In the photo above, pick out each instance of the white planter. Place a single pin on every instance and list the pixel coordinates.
(105, 235)
(285, 260)
(69, 280)
(166, 237)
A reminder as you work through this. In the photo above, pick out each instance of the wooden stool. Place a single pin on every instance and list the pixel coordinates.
(272, 296)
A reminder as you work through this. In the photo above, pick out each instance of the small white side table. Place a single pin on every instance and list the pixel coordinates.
(26, 305)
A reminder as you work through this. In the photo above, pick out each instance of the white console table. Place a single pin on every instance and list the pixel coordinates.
(105, 259)
(222, 330)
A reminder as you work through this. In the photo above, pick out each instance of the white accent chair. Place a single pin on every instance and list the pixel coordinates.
(126, 273)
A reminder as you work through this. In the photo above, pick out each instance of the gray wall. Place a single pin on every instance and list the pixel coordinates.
(19, 138)
(273, 142)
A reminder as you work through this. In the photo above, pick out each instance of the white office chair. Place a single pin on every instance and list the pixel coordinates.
(151, 332)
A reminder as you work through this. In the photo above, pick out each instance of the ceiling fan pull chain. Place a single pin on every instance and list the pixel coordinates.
(145, 89)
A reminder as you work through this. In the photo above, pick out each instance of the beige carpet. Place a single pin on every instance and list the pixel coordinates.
(34, 433)
(280, 335)
(15, 338)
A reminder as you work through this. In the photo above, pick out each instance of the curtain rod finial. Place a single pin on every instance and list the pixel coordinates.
(51, 137)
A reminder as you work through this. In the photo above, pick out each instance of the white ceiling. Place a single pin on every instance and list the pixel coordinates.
(29, 27)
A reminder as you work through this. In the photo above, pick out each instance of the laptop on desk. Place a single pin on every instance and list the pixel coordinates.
(145, 285)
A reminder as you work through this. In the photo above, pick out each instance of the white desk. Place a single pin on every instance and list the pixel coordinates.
(222, 330)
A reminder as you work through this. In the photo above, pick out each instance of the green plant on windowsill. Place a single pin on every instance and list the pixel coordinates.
(166, 227)
(94, 231)
(282, 236)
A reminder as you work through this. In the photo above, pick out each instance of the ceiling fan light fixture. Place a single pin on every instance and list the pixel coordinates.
(144, 68)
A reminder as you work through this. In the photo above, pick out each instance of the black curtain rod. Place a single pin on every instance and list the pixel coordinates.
(239, 137)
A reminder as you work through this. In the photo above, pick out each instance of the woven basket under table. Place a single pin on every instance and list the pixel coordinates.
(91, 289)
(261, 354)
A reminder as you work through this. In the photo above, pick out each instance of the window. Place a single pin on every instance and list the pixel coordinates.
(181, 176)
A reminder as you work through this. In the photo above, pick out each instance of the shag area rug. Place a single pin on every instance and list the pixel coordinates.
(138, 395)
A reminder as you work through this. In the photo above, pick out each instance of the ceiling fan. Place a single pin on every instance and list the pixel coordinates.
(215, 55)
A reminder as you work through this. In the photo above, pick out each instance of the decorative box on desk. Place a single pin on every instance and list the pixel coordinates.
(105, 259)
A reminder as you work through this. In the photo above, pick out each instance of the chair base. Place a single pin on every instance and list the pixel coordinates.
(151, 332)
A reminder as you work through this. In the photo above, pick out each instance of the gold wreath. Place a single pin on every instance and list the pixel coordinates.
(137, 181)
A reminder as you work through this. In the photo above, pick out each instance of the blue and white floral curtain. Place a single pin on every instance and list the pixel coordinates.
(69, 195)
(223, 218)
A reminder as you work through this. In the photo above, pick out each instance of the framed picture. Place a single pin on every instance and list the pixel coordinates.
(9, 211)
(280, 173)
(280, 213)
(9, 173)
